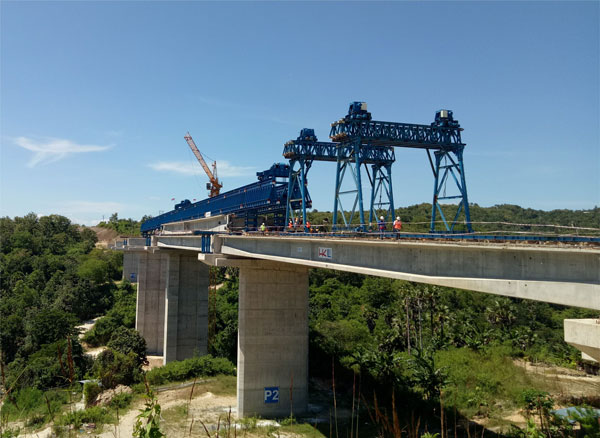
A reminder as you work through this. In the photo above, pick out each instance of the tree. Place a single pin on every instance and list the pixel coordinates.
(126, 341)
(113, 368)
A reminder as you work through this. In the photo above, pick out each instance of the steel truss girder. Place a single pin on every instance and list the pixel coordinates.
(396, 134)
(328, 151)
(449, 163)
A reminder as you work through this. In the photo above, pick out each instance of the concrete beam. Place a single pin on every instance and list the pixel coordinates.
(584, 334)
(272, 379)
(567, 276)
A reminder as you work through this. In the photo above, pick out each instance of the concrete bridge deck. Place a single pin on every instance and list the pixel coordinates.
(556, 274)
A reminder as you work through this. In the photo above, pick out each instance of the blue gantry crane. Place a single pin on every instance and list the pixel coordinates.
(306, 149)
(364, 137)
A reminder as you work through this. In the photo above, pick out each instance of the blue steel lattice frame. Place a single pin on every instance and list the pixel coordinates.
(378, 157)
(442, 136)
(446, 165)
(306, 149)
(297, 191)
(381, 181)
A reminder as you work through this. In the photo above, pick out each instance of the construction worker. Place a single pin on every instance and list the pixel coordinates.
(381, 224)
(263, 228)
(397, 224)
(290, 225)
(308, 225)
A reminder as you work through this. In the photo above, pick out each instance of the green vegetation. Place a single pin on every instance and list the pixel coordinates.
(90, 392)
(34, 404)
(188, 369)
(125, 227)
(52, 277)
(96, 414)
(122, 314)
(147, 424)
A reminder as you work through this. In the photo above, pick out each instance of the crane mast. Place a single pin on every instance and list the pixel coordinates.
(214, 185)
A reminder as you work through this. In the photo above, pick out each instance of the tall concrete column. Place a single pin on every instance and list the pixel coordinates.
(272, 370)
(150, 305)
(131, 261)
(186, 308)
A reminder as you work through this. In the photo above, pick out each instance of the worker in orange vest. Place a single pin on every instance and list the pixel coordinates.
(397, 224)
(308, 225)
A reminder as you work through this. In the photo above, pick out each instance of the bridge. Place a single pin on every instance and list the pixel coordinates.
(171, 263)
(172, 303)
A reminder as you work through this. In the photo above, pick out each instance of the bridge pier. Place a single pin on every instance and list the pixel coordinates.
(272, 366)
(172, 304)
(186, 307)
(150, 303)
(131, 260)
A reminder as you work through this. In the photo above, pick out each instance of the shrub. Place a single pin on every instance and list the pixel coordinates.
(114, 368)
(190, 368)
(102, 331)
(121, 401)
(32, 403)
(96, 414)
(126, 341)
(90, 392)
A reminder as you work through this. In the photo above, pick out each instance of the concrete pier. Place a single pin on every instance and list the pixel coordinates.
(131, 260)
(172, 303)
(272, 365)
(186, 307)
(150, 308)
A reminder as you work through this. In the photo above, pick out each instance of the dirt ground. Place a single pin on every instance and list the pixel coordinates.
(562, 384)
(105, 236)
(204, 406)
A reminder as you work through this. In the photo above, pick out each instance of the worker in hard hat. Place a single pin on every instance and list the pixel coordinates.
(397, 224)
(263, 228)
(381, 225)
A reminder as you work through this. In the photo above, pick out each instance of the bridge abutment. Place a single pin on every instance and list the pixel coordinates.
(272, 364)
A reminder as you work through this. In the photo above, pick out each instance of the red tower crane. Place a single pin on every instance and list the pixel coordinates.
(214, 185)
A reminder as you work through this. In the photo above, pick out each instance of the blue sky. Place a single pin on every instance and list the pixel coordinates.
(97, 96)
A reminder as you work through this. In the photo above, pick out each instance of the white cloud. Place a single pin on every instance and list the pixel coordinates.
(53, 149)
(224, 169)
